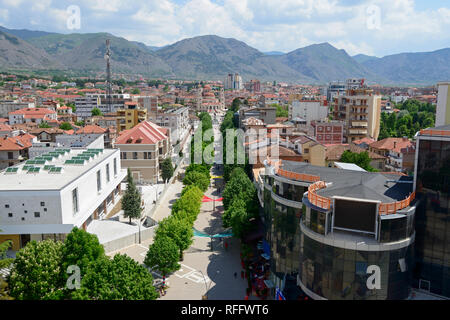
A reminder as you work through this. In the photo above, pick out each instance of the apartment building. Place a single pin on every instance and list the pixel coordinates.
(130, 116)
(308, 110)
(142, 148)
(7, 106)
(331, 132)
(360, 109)
(15, 149)
(266, 114)
(84, 105)
(175, 119)
(32, 115)
(46, 197)
(399, 153)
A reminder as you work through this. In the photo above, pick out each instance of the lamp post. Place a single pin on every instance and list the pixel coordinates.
(205, 296)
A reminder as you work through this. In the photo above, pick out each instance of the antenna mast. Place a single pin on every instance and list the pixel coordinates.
(108, 77)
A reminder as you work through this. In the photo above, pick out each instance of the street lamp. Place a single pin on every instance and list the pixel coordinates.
(205, 296)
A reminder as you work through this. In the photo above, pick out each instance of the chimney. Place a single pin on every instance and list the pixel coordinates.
(395, 144)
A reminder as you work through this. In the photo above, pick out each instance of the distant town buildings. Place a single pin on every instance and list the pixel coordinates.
(233, 82)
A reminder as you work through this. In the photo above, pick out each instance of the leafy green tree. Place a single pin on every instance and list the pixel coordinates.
(239, 186)
(180, 230)
(131, 200)
(198, 179)
(361, 159)
(80, 123)
(167, 169)
(163, 254)
(281, 111)
(65, 126)
(120, 278)
(36, 270)
(202, 168)
(44, 124)
(238, 218)
(96, 112)
(135, 91)
(80, 249)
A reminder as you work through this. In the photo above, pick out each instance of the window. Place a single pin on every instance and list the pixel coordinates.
(37, 214)
(42, 204)
(99, 180)
(123, 155)
(75, 200)
(10, 214)
(115, 167)
(45, 209)
(6, 205)
(107, 172)
(135, 155)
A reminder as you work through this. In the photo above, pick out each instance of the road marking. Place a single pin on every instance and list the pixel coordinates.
(191, 274)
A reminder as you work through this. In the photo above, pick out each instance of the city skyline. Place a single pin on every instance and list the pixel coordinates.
(355, 26)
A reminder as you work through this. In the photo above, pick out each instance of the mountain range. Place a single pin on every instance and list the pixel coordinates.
(212, 58)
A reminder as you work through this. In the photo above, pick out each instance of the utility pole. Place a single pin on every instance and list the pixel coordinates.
(108, 77)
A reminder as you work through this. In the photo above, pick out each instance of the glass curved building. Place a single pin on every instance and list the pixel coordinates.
(344, 234)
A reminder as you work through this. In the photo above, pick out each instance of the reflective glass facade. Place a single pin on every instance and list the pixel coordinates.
(341, 274)
(282, 225)
(433, 217)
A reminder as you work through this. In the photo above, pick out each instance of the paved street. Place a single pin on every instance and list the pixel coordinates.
(202, 270)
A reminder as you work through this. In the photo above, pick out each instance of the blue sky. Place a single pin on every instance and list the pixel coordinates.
(374, 27)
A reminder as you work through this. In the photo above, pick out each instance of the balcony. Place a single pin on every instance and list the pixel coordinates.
(357, 131)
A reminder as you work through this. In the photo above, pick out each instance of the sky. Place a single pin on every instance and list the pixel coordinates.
(372, 27)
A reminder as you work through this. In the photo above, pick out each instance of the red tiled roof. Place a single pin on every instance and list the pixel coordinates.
(35, 112)
(364, 140)
(16, 143)
(388, 144)
(5, 127)
(92, 128)
(335, 151)
(145, 132)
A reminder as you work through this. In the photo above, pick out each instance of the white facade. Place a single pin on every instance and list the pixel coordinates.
(177, 120)
(7, 106)
(443, 104)
(84, 105)
(308, 110)
(44, 202)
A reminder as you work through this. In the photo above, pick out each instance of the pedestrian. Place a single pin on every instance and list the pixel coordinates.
(235, 275)
(226, 245)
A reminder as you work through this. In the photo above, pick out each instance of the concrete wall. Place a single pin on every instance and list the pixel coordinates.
(129, 240)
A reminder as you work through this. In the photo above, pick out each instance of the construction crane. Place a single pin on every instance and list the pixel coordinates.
(108, 77)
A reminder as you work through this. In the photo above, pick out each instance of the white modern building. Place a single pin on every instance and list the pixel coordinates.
(7, 106)
(308, 110)
(84, 105)
(177, 120)
(47, 196)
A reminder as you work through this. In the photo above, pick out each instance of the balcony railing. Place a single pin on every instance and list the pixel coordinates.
(315, 199)
(297, 176)
(390, 208)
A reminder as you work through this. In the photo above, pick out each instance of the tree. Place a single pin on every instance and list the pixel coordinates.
(65, 126)
(361, 159)
(237, 217)
(80, 123)
(163, 254)
(36, 270)
(131, 200)
(80, 249)
(281, 111)
(120, 278)
(167, 169)
(135, 91)
(44, 124)
(96, 112)
(180, 230)
(239, 186)
(196, 178)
